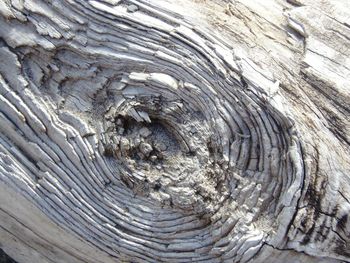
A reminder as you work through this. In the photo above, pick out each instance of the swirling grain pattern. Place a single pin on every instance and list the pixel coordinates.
(145, 136)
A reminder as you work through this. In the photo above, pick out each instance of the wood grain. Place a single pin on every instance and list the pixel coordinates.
(174, 131)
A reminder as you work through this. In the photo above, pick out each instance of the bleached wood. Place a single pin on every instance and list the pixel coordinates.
(175, 131)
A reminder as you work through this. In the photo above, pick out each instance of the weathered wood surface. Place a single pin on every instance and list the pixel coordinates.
(175, 131)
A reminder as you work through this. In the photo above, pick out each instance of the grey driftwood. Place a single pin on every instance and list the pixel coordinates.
(175, 131)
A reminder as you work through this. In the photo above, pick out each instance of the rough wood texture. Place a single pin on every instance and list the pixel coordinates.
(175, 131)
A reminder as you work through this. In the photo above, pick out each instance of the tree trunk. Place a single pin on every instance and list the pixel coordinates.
(175, 131)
